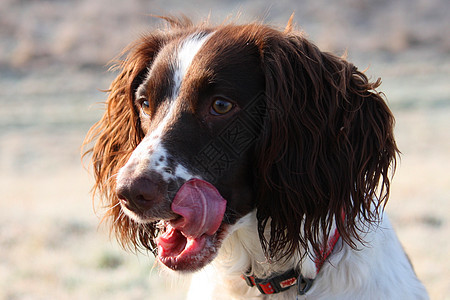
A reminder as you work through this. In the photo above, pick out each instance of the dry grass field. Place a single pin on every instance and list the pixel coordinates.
(53, 57)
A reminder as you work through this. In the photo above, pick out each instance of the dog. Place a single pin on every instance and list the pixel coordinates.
(249, 157)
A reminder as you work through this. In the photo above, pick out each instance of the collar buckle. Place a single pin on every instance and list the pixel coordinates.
(303, 284)
(274, 284)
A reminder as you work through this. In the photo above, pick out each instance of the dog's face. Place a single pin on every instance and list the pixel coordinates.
(204, 125)
(198, 104)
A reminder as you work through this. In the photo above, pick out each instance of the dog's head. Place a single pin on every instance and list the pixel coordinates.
(206, 124)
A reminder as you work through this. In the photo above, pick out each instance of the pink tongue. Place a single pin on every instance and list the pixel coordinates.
(201, 207)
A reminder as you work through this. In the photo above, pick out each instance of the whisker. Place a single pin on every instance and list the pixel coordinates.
(110, 208)
(114, 206)
(112, 176)
(121, 213)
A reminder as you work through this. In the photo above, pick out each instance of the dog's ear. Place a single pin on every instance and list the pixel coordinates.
(117, 134)
(326, 149)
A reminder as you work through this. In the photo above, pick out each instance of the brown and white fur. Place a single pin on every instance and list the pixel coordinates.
(303, 145)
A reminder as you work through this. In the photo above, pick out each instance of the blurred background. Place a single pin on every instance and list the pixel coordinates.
(54, 61)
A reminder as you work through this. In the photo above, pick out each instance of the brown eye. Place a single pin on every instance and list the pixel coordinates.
(221, 107)
(145, 106)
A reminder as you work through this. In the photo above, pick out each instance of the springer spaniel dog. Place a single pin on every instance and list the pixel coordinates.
(247, 156)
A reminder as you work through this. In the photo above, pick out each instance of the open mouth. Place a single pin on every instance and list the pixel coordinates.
(190, 241)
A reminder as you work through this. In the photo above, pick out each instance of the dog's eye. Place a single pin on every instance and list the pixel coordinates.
(145, 107)
(221, 107)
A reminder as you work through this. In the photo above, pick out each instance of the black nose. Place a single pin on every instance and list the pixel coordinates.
(141, 193)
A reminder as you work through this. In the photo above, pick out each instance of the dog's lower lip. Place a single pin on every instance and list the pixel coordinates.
(177, 254)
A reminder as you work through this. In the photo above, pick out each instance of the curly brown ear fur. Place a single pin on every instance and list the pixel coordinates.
(326, 151)
(116, 135)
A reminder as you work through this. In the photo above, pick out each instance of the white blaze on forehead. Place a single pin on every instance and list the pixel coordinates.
(186, 53)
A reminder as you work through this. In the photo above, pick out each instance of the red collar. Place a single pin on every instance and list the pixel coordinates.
(281, 282)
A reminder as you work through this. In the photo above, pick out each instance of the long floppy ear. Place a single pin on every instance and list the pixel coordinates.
(116, 135)
(326, 150)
